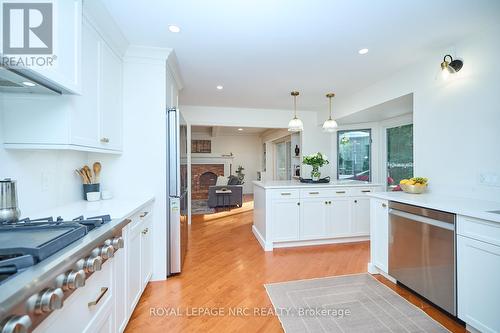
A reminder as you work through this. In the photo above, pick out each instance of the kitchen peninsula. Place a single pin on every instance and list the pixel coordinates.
(290, 213)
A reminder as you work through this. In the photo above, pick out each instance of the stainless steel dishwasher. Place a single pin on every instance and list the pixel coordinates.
(422, 252)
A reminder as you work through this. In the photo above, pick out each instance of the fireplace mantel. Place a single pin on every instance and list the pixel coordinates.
(203, 158)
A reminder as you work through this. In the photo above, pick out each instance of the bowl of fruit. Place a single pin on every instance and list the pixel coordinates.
(415, 185)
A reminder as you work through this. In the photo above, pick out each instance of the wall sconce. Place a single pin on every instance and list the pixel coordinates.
(450, 67)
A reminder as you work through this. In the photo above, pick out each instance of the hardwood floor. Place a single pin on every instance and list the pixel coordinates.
(226, 269)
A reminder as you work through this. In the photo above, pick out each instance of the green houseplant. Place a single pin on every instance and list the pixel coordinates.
(316, 161)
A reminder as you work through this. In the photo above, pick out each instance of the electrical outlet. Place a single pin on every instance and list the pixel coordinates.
(489, 179)
(45, 182)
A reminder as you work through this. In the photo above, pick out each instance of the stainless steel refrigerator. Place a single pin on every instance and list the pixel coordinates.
(177, 215)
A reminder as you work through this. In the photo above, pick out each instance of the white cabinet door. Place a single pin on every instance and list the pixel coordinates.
(134, 282)
(120, 307)
(110, 98)
(313, 217)
(67, 40)
(85, 119)
(379, 234)
(360, 216)
(146, 251)
(285, 220)
(339, 217)
(478, 276)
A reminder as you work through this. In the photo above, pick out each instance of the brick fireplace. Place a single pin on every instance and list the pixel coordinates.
(203, 176)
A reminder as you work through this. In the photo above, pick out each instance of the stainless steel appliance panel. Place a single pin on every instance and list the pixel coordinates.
(422, 252)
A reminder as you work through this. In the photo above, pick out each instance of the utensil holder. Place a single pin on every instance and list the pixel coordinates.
(90, 188)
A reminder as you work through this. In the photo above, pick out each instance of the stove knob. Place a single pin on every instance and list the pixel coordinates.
(117, 242)
(17, 324)
(73, 280)
(49, 300)
(90, 264)
(106, 251)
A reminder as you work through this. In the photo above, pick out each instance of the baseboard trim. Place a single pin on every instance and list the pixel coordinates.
(372, 269)
(321, 241)
(260, 239)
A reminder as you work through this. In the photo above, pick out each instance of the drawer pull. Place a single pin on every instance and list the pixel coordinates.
(105, 140)
(366, 191)
(340, 192)
(104, 290)
(143, 215)
(286, 193)
(313, 192)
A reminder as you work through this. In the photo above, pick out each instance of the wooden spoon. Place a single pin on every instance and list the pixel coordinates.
(80, 173)
(97, 171)
(88, 173)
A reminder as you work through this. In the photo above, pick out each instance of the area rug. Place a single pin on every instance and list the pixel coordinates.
(200, 207)
(349, 303)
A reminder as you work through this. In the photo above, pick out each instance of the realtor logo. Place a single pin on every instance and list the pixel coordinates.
(27, 28)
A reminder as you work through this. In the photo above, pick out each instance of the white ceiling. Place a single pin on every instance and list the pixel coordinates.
(387, 110)
(260, 50)
(226, 130)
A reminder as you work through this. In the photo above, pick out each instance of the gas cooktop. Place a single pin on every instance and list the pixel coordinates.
(29, 241)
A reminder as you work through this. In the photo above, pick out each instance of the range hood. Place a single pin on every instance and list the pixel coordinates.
(23, 81)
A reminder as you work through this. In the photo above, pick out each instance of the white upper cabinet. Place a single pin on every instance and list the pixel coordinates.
(91, 121)
(110, 99)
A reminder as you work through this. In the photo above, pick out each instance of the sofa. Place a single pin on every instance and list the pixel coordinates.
(235, 198)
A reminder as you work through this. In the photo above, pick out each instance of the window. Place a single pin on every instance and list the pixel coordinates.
(399, 154)
(283, 159)
(354, 154)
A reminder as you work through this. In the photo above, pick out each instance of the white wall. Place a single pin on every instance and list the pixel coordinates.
(45, 179)
(456, 122)
(246, 149)
(313, 138)
(141, 169)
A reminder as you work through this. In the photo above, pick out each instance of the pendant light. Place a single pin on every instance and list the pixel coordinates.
(330, 125)
(295, 125)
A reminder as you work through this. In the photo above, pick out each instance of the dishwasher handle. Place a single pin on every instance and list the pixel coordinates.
(422, 219)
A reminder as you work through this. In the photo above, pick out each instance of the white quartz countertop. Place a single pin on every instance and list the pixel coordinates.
(270, 184)
(462, 206)
(118, 208)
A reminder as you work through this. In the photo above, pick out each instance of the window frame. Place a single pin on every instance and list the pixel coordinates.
(370, 159)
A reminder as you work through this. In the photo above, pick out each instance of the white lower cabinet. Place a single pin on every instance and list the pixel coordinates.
(320, 214)
(478, 274)
(134, 283)
(360, 215)
(338, 217)
(313, 218)
(379, 234)
(146, 252)
(286, 215)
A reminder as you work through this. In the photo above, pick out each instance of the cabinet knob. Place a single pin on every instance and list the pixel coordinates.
(105, 140)
(384, 205)
(145, 231)
(329, 202)
(326, 202)
(298, 203)
(355, 201)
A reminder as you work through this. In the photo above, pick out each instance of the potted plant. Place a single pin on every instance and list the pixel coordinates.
(316, 161)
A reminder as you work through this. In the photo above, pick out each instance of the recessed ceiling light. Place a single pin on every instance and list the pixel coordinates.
(363, 51)
(240, 129)
(29, 84)
(220, 87)
(174, 28)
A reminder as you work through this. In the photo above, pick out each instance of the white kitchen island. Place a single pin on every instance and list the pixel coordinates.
(290, 213)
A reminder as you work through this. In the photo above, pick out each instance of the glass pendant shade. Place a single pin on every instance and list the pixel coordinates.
(295, 125)
(330, 125)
